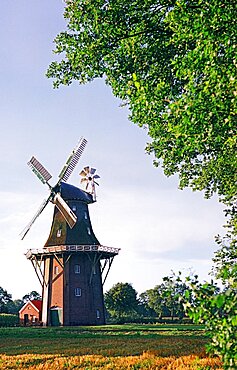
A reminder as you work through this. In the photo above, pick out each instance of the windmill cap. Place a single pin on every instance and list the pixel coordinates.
(69, 192)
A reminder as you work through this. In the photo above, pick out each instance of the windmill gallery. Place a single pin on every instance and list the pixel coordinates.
(72, 266)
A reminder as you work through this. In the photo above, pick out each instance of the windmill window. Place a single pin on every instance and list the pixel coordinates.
(97, 314)
(59, 233)
(77, 269)
(74, 207)
(88, 231)
(78, 292)
(85, 215)
(56, 270)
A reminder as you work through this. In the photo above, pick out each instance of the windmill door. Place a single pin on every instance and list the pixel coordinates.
(56, 316)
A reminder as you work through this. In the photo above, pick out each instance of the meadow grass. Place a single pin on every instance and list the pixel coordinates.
(106, 347)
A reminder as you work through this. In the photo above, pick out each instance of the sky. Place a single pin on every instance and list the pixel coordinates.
(158, 227)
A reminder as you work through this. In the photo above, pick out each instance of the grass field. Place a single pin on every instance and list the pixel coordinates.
(171, 347)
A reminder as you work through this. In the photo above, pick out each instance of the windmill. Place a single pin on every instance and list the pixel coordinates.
(72, 266)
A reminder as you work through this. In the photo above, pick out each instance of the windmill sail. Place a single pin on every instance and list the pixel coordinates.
(65, 210)
(72, 160)
(55, 197)
(39, 170)
(40, 210)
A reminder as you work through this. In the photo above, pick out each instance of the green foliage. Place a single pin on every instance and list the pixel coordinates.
(30, 296)
(13, 307)
(174, 64)
(8, 320)
(166, 298)
(218, 311)
(5, 297)
(121, 303)
(226, 261)
(145, 309)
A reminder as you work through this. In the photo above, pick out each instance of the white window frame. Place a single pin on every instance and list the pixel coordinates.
(59, 233)
(77, 269)
(77, 292)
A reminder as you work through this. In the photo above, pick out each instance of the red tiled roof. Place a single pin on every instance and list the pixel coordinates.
(37, 303)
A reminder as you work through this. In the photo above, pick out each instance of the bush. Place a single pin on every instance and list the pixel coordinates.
(217, 311)
(8, 320)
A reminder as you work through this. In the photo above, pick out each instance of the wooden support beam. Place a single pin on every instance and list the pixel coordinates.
(36, 271)
(110, 263)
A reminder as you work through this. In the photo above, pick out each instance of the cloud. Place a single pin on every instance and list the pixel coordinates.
(156, 223)
(157, 231)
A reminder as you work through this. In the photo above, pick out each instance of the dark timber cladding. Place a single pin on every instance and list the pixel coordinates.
(72, 266)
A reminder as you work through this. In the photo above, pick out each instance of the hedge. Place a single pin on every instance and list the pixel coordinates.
(8, 319)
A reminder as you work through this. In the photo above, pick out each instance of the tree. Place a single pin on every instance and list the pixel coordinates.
(121, 301)
(30, 296)
(218, 311)
(173, 290)
(166, 298)
(174, 64)
(225, 259)
(154, 300)
(145, 309)
(5, 297)
(13, 307)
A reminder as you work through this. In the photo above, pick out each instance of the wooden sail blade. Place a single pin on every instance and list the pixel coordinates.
(72, 160)
(39, 170)
(65, 210)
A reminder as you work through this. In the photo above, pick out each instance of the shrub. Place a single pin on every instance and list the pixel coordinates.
(9, 320)
(217, 311)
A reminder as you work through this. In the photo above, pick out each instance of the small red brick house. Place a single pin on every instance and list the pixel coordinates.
(31, 313)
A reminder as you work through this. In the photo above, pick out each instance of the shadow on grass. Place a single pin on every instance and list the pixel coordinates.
(119, 340)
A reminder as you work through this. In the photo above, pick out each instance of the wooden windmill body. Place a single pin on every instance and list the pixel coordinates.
(73, 265)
